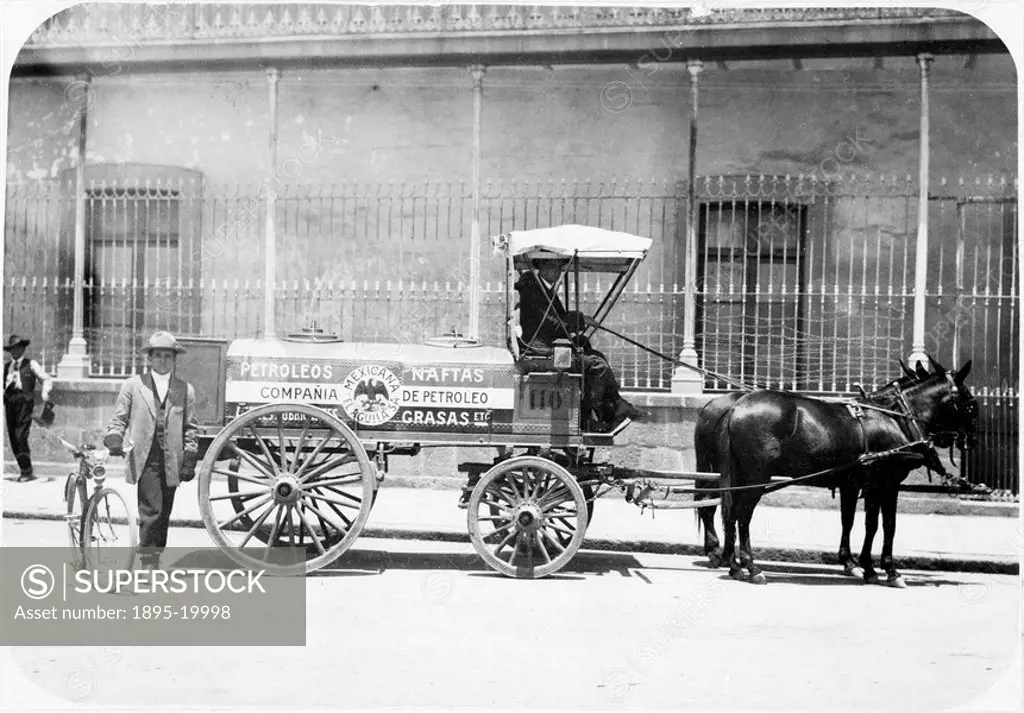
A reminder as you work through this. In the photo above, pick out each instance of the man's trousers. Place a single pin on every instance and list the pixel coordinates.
(19, 421)
(155, 502)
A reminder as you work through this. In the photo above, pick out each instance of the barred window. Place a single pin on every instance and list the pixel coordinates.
(133, 243)
(750, 282)
(142, 227)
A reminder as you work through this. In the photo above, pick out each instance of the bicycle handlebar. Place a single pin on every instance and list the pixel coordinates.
(79, 451)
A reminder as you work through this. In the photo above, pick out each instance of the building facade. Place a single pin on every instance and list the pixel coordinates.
(386, 140)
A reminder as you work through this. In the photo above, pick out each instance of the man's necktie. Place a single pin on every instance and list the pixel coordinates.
(14, 376)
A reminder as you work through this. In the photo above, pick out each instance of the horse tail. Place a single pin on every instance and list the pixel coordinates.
(725, 466)
(704, 444)
(711, 418)
(698, 496)
(704, 465)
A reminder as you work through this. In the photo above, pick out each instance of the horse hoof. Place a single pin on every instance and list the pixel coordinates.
(715, 561)
(871, 579)
(853, 571)
(758, 578)
(896, 582)
(738, 574)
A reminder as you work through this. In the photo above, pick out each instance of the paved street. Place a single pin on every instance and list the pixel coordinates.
(424, 513)
(412, 623)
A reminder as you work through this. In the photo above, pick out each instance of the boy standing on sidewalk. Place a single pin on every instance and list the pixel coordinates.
(157, 413)
(20, 378)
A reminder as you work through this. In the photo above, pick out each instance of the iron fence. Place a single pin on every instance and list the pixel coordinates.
(804, 284)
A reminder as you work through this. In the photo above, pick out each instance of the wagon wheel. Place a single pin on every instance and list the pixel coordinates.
(540, 522)
(563, 538)
(239, 504)
(297, 478)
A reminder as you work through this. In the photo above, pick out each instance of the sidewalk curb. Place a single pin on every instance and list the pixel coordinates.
(764, 554)
(797, 496)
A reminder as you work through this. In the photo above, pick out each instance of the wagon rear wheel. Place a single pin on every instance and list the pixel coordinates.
(297, 477)
(527, 517)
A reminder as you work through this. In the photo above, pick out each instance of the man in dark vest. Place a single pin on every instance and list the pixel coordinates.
(156, 413)
(21, 375)
(544, 320)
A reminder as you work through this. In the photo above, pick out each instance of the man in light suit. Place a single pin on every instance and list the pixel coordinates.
(156, 413)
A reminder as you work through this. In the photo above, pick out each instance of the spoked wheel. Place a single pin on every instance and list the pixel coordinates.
(297, 477)
(588, 494)
(527, 517)
(74, 497)
(239, 503)
(108, 533)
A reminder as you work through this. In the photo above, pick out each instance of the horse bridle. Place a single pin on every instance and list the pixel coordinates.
(960, 436)
(940, 438)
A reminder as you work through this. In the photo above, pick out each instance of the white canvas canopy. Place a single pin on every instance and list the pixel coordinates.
(585, 241)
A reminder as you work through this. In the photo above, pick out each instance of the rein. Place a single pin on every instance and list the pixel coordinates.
(865, 459)
(677, 362)
(914, 422)
(916, 439)
(872, 407)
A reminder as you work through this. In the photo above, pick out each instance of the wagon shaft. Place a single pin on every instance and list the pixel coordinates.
(666, 474)
(679, 505)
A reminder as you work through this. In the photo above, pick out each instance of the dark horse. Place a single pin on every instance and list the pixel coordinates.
(749, 438)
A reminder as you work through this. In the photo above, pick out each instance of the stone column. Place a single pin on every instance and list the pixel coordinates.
(75, 363)
(474, 249)
(270, 274)
(687, 381)
(917, 353)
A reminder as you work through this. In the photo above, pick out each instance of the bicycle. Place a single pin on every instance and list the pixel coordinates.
(99, 522)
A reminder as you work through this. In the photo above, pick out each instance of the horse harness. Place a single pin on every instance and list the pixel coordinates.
(913, 431)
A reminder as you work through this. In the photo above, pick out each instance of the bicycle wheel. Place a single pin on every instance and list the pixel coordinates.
(108, 532)
(74, 496)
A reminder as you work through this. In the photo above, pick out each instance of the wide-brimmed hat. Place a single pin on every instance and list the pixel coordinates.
(15, 341)
(163, 340)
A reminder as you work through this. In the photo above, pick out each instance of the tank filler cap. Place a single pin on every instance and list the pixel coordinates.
(314, 335)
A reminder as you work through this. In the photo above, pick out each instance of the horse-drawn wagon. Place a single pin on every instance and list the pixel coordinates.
(310, 423)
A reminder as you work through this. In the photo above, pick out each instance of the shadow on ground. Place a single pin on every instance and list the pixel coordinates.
(584, 563)
(824, 576)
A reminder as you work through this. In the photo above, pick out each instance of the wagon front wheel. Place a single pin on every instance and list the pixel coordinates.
(527, 517)
(296, 477)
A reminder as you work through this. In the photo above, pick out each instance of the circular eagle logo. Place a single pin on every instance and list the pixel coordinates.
(369, 395)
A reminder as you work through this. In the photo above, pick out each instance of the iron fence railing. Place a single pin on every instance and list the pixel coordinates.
(803, 284)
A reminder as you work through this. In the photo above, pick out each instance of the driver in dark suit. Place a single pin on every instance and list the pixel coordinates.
(543, 322)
